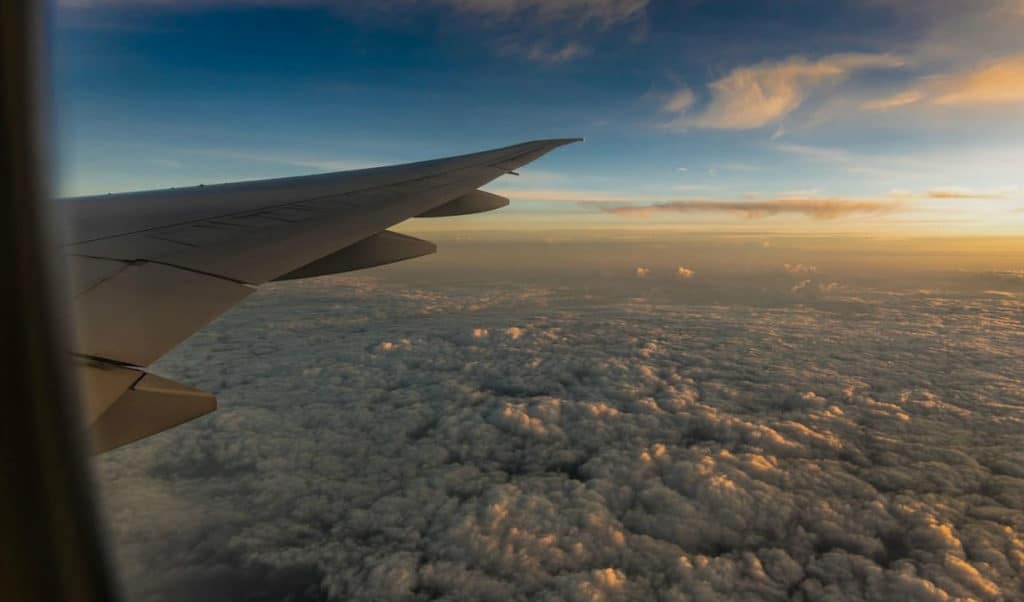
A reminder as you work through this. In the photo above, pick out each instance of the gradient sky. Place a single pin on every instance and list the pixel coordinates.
(893, 116)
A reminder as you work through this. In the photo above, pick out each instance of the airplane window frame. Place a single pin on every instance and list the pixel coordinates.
(54, 544)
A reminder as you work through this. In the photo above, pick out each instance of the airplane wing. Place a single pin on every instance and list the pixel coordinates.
(151, 268)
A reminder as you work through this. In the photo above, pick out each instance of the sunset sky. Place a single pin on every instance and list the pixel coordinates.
(757, 338)
(858, 116)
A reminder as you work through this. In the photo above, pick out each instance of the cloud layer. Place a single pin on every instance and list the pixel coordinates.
(565, 441)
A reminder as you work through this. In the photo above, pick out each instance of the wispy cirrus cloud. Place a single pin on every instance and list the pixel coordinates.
(601, 12)
(606, 12)
(540, 18)
(754, 96)
(824, 208)
(534, 30)
(550, 54)
(1001, 81)
(902, 99)
(806, 203)
(680, 101)
(816, 153)
(997, 82)
(958, 192)
(563, 195)
(873, 164)
(809, 204)
(972, 53)
(294, 160)
(958, 54)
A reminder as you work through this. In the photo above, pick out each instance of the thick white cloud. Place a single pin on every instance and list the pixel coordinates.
(568, 442)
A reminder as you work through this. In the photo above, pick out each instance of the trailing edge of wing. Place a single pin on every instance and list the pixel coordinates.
(477, 201)
(124, 404)
(143, 309)
(380, 249)
(254, 232)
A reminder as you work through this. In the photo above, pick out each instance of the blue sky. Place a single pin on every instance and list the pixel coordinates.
(863, 114)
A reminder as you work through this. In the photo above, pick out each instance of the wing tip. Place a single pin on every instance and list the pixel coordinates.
(563, 141)
(550, 142)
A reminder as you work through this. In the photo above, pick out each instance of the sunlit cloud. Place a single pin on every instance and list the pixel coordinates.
(607, 12)
(799, 268)
(816, 153)
(994, 83)
(560, 55)
(805, 193)
(957, 192)
(568, 195)
(680, 101)
(684, 273)
(902, 99)
(514, 332)
(754, 96)
(830, 208)
(998, 82)
(544, 53)
(807, 202)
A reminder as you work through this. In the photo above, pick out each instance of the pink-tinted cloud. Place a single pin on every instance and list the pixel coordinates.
(956, 192)
(830, 208)
(999, 82)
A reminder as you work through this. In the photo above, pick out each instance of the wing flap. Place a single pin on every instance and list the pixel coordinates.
(101, 384)
(143, 310)
(257, 248)
(477, 201)
(125, 404)
(379, 249)
(87, 272)
(152, 405)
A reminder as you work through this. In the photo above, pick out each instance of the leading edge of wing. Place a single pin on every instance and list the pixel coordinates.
(97, 217)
